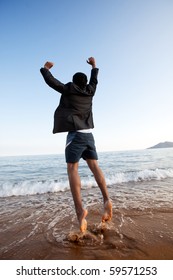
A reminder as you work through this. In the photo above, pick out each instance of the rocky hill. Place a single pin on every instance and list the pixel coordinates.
(162, 145)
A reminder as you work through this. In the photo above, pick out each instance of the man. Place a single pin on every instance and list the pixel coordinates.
(74, 115)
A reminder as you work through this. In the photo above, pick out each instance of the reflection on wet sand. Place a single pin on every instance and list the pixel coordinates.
(45, 227)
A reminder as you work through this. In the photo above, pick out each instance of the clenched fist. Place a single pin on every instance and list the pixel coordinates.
(91, 61)
(48, 65)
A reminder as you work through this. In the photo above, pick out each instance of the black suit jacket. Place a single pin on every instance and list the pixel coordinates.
(75, 108)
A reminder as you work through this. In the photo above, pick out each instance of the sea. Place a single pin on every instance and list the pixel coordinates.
(38, 219)
(145, 175)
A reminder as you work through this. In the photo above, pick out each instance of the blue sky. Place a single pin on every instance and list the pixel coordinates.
(133, 45)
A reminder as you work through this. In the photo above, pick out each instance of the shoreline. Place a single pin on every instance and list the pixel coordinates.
(45, 228)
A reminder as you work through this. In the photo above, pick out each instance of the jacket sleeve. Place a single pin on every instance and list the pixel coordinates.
(93, 80)
(51, 81)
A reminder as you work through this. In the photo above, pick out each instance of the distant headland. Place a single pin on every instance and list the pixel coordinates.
(162, 145)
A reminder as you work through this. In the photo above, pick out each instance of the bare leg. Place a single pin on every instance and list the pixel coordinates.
(100, 179)
(75, 186)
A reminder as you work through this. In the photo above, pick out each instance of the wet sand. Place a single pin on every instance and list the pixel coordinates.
(44, 227)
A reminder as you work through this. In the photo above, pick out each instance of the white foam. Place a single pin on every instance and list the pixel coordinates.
(138, 176)
(29, 187)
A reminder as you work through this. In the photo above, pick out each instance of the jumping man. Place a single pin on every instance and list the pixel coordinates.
(74, 115)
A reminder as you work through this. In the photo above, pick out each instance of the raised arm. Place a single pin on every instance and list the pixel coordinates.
(49, 78)
(94, 73)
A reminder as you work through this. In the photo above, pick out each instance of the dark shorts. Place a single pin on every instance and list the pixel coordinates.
(80, 145)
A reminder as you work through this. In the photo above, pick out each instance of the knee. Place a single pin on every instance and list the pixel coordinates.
(72, 167)
(96, 170)
(93, 165)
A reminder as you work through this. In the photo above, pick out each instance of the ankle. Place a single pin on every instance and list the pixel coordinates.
(106, 200)
(82, 213)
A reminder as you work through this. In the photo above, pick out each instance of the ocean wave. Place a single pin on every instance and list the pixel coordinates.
(30, 187)
(140, 176)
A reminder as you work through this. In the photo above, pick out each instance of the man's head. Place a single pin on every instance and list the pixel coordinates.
(80, 79)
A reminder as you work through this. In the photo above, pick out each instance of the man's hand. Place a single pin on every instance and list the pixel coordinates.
(48, 65)
(91, 61)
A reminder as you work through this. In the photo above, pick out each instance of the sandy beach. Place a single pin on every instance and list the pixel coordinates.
(44, 227)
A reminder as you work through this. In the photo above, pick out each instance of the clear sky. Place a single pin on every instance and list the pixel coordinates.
(132, 41)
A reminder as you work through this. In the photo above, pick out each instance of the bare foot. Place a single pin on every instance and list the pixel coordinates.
(107, 216)
(83, 222)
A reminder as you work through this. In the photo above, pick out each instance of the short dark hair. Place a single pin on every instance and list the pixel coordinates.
(80, 79)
